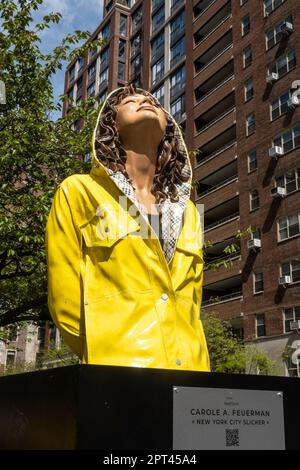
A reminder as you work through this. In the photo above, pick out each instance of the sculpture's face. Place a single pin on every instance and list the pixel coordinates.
(137, 108)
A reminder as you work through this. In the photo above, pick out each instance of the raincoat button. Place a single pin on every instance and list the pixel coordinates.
(86, 302)
(165, 296)
(106, 229)
(178, 362)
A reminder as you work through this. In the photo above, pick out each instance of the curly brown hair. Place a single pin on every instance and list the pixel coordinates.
(111, 153)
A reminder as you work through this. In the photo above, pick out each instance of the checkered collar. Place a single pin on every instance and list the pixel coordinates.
(172, 212)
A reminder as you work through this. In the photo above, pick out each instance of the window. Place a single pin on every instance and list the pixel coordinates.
(137, 19)
(80, 64)
(10, 358)
(177, 81)
(158, 70)
(252, 161)
(104, 58)
(79, 89)
(254, 200)
(122, 50)
(245, 25)
(177, 26)
(279, 106)
(288, 226)
(250, 124)
(102, 98)
(91, 90)
(135, 66)
(290, 314)
(248, 89)
(271, 5)
(71, 95)
(289, 140)
(105, 33)
(158, 46)
(260, 325)
(159, 94)
(72, 74)
(103, 77)
(92, 53)
(136, 44)
(158, 19)
(92, 72)
(291, 268)
(242, 2)
(12, 333)
(177, 51)
(178, 108)
(258, 279)
(247, 56)
(284, 64)
(290, 181)
(273, 36)
(123, 25)
(175, 4)
(121, 71)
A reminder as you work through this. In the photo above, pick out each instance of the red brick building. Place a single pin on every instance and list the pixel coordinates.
(226, 71)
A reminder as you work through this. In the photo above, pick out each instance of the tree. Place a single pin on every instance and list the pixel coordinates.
(36, 153)
(230, 354)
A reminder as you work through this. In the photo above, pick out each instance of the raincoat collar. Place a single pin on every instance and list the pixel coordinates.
(172, 212)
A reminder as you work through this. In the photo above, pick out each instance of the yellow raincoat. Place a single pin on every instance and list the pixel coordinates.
(117, 297)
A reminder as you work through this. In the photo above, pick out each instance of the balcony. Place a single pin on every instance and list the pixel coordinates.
(213, 24)
(201, 7)
(225, 290)
(216, 81)
(213, 53)
(207, 73)
(223, 143)
(223, 272)
(218, 97)
(215, 128)
(218, 179)
(221, 214)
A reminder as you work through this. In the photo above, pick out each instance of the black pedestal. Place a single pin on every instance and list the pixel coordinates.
(106, 408)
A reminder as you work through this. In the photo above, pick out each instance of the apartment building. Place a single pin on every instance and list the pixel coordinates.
(227, 72)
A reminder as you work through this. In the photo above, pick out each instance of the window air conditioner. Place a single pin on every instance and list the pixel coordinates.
(272, 77)
(254, 244)
(275, 151)
(183, 116)
(284, 280)
(286, 29)
(293, 102)
(295, 325)
(278, 192)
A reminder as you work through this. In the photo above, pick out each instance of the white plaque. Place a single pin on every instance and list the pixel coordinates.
(232, 419)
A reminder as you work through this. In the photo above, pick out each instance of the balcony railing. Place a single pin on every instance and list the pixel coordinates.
(223, 298)
(211, 123)
(225, 220)
(230, 46)
(214, 89)
(230, 257)
(216, 153)
(211, 31)
(218, 186)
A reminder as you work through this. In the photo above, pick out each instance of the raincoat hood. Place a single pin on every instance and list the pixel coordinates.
(172, 212)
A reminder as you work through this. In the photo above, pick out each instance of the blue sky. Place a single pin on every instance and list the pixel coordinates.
(76, 14)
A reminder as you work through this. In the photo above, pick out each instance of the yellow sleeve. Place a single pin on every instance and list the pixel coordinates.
(65, 295)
